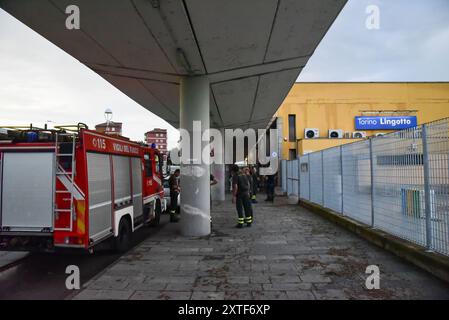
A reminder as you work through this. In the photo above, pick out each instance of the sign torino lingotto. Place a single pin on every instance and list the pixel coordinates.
(385, 123)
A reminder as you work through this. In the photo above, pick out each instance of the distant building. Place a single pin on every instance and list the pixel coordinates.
(113, 128)
(159, 138)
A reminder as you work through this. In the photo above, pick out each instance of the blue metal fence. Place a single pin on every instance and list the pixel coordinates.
(398, 183)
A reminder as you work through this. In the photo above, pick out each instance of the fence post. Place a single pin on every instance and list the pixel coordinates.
(342, 183)
(371, 155)
(308, 161)
(299, 178)
(322, 178)
(427, 188)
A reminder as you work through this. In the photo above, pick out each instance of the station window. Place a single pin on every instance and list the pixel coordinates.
(292, 154)
(291, 127)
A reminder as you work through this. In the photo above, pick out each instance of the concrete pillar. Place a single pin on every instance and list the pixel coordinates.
(195, 177)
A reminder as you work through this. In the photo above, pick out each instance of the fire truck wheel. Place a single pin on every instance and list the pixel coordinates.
(123, 240)
(157, 215)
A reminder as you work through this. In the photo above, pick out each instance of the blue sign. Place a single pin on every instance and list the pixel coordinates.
(385, 123)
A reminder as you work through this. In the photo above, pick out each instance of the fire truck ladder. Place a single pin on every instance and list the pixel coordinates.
(68, 177)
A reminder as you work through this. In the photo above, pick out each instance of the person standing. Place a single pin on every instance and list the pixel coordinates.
(175, 189)
(270, 184)
(247, 172)
(213, 182)
(241, 197)
(255, 184)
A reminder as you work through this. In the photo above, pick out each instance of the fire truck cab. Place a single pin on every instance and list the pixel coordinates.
(73, 188)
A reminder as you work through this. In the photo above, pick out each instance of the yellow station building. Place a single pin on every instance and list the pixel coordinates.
(316, 116)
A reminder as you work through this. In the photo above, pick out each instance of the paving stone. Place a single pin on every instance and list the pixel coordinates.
(238, 280)
(92, 294)
(238, 295)
(103, 284)
(240, 287)
(331, 294)
(145, 295)
(179, 287)
(281, 257)
(205, 287)
(205, 295)
(257, 267)
(161, 295)
(315, 278)
(283, 267)
(300, 295)
(269, 295)
(259, 279)
(286, 286)
(171, 279)
(148, 286)
(285, 279)
(210, 280)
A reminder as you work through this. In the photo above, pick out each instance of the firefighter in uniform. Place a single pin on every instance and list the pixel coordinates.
(173, 183)
(270, 184)
(247, 173)
(241, 197)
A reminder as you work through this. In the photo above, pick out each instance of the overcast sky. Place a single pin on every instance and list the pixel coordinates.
(39, 82)
(412, 44)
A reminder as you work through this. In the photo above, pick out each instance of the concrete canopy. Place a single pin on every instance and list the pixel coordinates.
(251, 50)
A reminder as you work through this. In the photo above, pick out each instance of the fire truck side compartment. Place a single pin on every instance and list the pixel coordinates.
(100, 195)
(27, 191)
(136, 166)
(122, 180)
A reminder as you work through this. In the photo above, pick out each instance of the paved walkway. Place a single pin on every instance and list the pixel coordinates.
(289, 253)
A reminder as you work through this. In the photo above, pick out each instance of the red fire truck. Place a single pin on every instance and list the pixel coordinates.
(71, 187)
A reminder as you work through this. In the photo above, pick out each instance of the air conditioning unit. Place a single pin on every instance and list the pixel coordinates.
(335, 134)
(380, 134)
(359, 135)
(311, 133)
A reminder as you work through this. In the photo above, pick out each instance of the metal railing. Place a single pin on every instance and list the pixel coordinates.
(397, 183)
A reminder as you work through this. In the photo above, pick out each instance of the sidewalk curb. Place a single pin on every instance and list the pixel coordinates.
(432, 262)
(12, 264)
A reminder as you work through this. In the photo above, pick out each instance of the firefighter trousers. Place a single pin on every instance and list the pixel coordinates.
(244, 209)
(173, 202)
